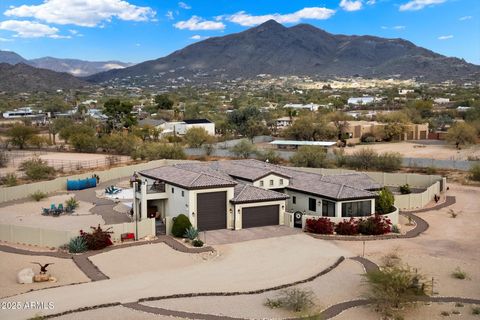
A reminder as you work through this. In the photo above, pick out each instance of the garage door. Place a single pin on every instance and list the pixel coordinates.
(211, 211)
(260, 216)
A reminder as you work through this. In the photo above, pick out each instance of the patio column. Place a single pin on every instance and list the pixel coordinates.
(338, 210)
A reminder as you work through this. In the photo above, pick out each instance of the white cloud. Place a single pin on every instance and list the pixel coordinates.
(197, 23)
(5, 40)
(398, 27)
(185, 6)
(29, 29)
(415, 5)
(85, 13)
(196, 37)
(447, 37)
(465, 18)
(247, 20)
(169, 15)
(349, 5)
(371, 2)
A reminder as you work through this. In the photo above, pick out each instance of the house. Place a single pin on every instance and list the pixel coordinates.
(156, 123)
(297, 106)
(361, 100)
(283, 122)
(404, 92)
(441, 100)
(237, 194)
(181, 127)
(357, 129)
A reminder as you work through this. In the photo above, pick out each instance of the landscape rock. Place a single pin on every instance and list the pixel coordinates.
(25, 276)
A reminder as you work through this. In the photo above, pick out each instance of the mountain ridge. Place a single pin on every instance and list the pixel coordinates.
(302, 50)
(76, 67)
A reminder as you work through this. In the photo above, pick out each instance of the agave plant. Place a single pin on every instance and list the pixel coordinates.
(71, 203)
(77, 245)
(191, 233)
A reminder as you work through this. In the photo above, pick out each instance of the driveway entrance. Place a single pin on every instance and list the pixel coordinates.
(224, 236)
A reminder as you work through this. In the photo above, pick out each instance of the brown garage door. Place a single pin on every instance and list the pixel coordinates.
(211, 211)
(260, 216)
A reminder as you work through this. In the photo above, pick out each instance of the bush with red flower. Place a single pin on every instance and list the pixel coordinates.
(320, 226)
(374, 225)
(347, 227)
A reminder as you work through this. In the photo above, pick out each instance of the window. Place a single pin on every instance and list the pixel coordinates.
(356, 209)
(261, 183)
(173, 190)
(281, 182)
(312, 204)
(271, 182)
(183, 193)
(328, 208)
(294, 200)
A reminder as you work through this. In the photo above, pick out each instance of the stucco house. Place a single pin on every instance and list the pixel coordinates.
(236, 194)
(181, 127)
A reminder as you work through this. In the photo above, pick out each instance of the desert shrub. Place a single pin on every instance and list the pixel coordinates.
(347, 227)
(476, 310)
(181, 224)
(368, 138)
(38, 195)
(455, 312)
(459, 305)
(340, 157)
(431, 170)
(191, 233)
(98, 238)
(294, 299)
(385, 201)
(155, 151)
(83, 142)
(10, 180)
(388, 161)
(395, 229)
(445, 313)
(71, 203)
(77, 245)
(37, 169)
(393, 287)
(321, 226)
(197, 243)
(363, 159)
(3, 159)
(405, 189)
(475, 172)
(459, 274)
(310, 156)
(243, 149)
(375, 225)
(269, 155)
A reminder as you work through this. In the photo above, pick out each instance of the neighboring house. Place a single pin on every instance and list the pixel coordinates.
(361, 100)
(441, 100)
(237, 194)
(283, 122)
(405, 91)
(156, 123)
(463, 109)
(356, 129)
(298, 106)
(181, 127)
(97, 114)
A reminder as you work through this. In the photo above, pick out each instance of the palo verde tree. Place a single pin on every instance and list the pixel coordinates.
(20, 134)
(461, 134)
(119, 114)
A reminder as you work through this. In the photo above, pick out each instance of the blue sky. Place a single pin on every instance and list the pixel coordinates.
(139, 30)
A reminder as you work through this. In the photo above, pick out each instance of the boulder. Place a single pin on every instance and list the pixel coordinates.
(25, 275)
(41, 278)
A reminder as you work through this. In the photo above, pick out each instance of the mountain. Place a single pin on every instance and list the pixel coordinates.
(25, 78)
(75, 67)
(272, 48)
(11, 57)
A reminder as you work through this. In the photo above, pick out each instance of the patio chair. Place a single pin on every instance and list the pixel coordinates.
(60, 207)
(52, 207)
